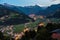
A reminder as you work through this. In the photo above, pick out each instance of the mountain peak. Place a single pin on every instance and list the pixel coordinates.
(37, 5)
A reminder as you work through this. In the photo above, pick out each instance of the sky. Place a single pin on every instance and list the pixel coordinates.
(30, 2)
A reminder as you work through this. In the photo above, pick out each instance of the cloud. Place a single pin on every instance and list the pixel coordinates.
(31, 2)
(56, 2)
(47, 2)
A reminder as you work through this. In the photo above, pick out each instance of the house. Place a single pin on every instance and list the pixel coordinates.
(56, 34)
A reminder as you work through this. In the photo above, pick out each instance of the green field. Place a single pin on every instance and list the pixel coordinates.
(20, 27)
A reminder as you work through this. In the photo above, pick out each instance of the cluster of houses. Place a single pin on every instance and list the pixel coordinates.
(35, 17)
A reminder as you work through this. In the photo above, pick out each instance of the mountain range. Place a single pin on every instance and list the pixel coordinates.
(26, 9)
(50, 10)
(9, 15)
(37, 10)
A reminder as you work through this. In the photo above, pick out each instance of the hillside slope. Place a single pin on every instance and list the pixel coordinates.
(10, 16)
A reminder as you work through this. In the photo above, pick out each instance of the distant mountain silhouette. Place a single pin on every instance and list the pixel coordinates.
(10, 15)
(31, 9)
(50, 10)
(46, 11)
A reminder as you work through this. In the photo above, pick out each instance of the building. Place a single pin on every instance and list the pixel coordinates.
(56, 34)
